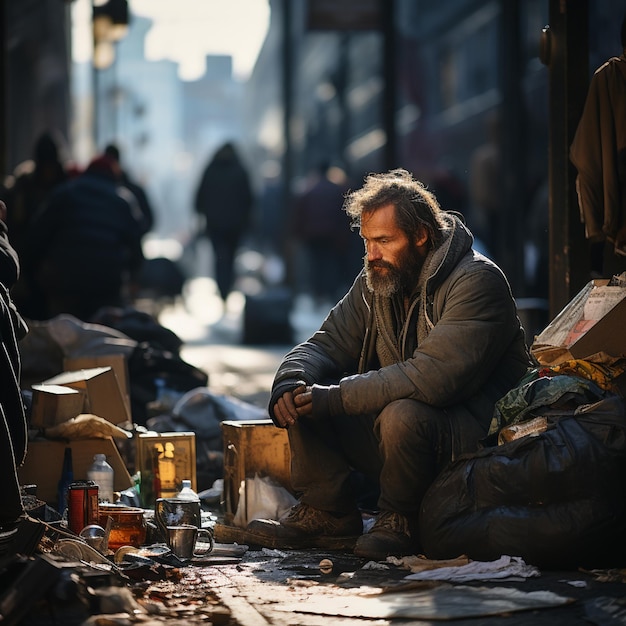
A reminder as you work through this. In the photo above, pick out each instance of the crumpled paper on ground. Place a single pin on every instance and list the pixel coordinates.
(85, 426)
(504, 568)
(419, 563)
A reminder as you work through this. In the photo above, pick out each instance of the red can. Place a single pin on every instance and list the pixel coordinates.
(82, 505)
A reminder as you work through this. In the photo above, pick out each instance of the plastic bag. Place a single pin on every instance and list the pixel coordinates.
(261, 498)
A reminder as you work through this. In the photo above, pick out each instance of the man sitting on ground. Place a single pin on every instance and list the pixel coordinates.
(402, 376)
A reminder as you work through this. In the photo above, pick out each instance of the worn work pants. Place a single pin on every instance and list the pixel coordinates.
(402, 449)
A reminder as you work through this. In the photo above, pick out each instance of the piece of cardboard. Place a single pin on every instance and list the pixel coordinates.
(117, 362)
(55, 404)
(175, 454)
(103, 394)
(44, 462)
(574, 335)
(251, 447)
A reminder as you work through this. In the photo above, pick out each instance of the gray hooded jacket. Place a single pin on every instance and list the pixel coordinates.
(459, 343)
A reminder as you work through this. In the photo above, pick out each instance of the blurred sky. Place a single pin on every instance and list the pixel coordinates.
(187, 30)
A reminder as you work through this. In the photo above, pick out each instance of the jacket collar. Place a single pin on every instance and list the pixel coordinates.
(440, 261)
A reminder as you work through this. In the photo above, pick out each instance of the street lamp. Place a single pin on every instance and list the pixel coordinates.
(110, 24)
(110, 20)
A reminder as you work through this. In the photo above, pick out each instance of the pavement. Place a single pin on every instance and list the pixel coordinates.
(212, 333)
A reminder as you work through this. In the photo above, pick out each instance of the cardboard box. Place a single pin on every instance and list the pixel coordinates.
(103, 394)
(592, 322)
(55, 404)
(44, 462)
(170, 455)
(250, 447)
(117, 362)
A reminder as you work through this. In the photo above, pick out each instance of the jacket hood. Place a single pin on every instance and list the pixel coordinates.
(438, 264)
(457, 241)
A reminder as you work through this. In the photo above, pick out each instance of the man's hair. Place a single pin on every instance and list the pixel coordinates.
(415, 206)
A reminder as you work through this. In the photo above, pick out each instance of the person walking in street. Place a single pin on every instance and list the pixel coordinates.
(84, 246)
(402, 376)
(224, 198)
(26, 191)
(146, 221)
(321, 226)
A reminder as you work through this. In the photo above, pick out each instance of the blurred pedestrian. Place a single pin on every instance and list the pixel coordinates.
(26, 191)
(598, 152)
(224, 198)
(320, 223)
(146, 222)
(13, 427)
(84, 247)
(270, 224)
(485, 187)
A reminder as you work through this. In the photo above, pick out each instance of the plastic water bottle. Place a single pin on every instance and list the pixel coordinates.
(190, 505)
(102, 474)
(187, 493)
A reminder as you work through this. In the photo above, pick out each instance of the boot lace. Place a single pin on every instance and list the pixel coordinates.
(299, 512)
(391, 521)
(314, 521)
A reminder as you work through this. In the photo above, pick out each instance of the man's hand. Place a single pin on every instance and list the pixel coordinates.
(292, 405)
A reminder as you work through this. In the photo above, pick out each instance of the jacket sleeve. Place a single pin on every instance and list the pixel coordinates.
(332, 352)
(13, 426)
(477, 326)
(9, 261)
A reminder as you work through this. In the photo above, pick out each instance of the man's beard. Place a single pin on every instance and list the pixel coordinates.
(385, 279)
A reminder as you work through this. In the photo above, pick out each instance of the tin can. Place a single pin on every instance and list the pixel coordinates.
(82, 505)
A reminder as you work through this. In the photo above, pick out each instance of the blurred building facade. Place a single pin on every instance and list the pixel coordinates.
(421, 77)
(456, 66)
(34, 75)
(166, 127)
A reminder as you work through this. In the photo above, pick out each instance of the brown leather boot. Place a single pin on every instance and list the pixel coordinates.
(389, 536)
(306, 527)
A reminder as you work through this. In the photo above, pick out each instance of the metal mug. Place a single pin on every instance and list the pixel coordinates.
(96, 537)
(174, 512)
(182, 540)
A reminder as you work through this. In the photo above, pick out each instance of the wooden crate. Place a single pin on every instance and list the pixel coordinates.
(175, 454)
(250, 447)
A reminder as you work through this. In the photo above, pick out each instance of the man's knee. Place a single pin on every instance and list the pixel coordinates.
(408, 419)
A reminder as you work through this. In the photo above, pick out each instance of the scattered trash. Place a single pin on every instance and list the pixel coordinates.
(375, 565)
(274, 553)
(504, 568)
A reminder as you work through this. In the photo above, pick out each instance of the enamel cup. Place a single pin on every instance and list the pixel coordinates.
(182, 540)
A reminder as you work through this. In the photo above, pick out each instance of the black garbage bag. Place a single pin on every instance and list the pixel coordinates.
(147, 366)
(556, 499)
(140, 326)
(161, 277)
